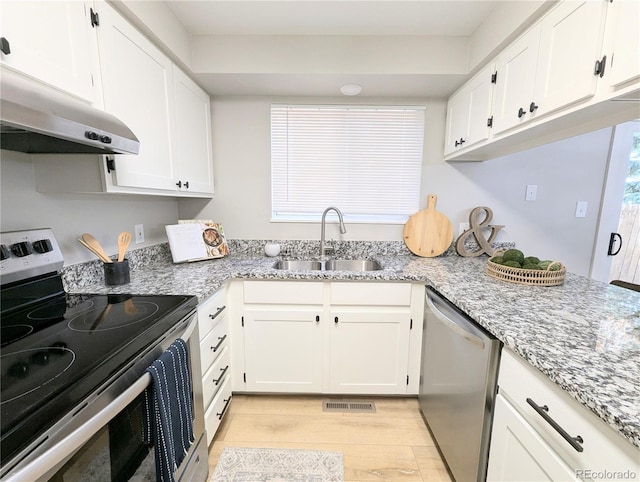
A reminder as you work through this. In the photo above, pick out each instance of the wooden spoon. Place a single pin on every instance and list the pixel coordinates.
(124, 238)
(97, 248)
(83, 243)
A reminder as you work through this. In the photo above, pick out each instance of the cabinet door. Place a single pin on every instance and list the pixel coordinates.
(457, 120)
(570, 43)
(468, 112)
(52, 42)
(369, 351)
(516, 72)
(283, 350)
(193, 135)
(138, 88)
(518, 453)
(480, 99)
(623, 20)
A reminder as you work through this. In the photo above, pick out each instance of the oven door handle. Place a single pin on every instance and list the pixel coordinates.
(72, 442)
(53, 458)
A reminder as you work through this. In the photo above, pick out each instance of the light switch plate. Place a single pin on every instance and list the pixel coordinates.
(581, 209)
(139, 230)
(532, 192)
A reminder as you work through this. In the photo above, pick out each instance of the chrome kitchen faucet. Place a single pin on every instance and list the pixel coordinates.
(343, 230)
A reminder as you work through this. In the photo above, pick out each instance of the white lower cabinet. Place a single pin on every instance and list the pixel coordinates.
(215, 360)
(518, 452)
(283, 350)
(541, 433)
(369, 352)
(329, 337)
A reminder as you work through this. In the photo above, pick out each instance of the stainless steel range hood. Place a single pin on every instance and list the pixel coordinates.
(41, 120)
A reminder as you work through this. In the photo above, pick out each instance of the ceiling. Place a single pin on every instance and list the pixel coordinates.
(331, 18)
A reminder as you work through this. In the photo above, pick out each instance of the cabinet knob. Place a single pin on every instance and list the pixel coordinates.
(600, 67)
(335, 320)
(521, 112)
(186, 184)
(457, 143)
(317, 318)
(179, 183)
(532, 107)
(462, 141)
(5, 47)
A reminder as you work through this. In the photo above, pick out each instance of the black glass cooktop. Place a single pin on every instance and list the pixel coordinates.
(57, 352)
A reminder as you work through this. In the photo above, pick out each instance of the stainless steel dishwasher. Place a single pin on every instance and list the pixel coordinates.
(458, 386)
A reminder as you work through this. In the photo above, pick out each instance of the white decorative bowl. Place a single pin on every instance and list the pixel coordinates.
(272, 249)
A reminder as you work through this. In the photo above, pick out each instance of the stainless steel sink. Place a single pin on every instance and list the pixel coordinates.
(298, 265)
(352, 265)
(328, 265)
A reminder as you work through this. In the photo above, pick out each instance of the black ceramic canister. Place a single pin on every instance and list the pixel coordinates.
(116, 273)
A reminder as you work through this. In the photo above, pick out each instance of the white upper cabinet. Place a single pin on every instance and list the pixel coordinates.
(52, 42)
(138, 88)
(469, 112)
(623, 29)
(570, 43)
(193, 148)
(168, 113)
(551, 66)
(515, 70)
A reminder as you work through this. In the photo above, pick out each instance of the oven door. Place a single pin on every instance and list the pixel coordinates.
(105, 442)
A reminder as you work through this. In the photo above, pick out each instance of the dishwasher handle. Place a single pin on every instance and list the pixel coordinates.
(453, 326)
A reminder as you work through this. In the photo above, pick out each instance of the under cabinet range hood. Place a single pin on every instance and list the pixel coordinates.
(41, 120)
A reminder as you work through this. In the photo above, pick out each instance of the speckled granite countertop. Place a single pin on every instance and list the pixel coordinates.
(584, 335)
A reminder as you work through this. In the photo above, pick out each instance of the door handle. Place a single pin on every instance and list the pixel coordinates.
(612, 240)
(576, 442)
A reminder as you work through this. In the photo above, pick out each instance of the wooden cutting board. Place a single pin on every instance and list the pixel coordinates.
(428, 233)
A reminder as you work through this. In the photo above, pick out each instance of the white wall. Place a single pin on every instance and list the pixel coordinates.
(70, 215)
(565, 172)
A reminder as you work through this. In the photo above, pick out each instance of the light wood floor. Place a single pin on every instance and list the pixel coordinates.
(392, 444)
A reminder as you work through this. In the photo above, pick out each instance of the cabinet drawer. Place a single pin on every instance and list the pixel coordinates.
(210, 312)
(388, 294)
(283, 292)
(214, 343)
(213, 378)
(603, 449)
(217, 410)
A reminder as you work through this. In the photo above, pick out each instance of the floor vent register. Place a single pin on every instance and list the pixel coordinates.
(348, 406)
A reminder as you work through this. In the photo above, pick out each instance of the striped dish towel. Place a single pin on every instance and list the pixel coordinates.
(169, 408)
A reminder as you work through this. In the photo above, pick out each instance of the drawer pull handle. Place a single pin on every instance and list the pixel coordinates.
(575, 442)
(221, 338)
(224, 409)
(224, 370)
(220, 310)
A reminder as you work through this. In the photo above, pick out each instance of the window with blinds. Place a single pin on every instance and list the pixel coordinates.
(365, 160)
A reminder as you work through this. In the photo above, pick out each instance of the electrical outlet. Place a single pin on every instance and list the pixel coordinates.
(581, 209)
(532, 192)
(139, 230)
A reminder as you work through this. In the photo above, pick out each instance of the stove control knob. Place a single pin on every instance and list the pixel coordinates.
(22, 249)
(42, 246)
(4, 252)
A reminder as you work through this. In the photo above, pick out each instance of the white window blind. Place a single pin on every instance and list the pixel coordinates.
(364, 160)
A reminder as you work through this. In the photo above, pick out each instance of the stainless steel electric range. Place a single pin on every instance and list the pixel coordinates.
(73, 371)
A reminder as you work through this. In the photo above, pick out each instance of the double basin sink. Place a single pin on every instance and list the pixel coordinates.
(328, 265)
